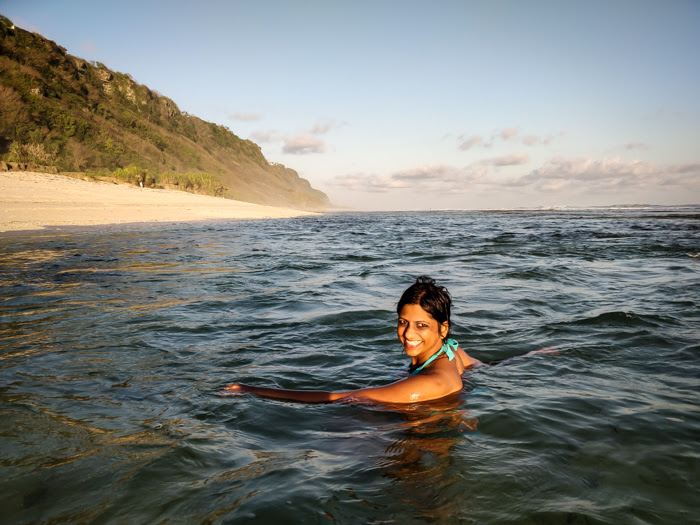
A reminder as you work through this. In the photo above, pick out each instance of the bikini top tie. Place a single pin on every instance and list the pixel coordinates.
(449, 347)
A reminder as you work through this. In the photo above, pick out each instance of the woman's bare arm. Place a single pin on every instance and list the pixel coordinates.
(303, 396)
(430, 385)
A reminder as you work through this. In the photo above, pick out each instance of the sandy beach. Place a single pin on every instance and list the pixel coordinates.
(32, 201)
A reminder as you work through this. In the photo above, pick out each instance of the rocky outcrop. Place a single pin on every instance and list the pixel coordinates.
(80, 64)
(105, 77)
(169, 107)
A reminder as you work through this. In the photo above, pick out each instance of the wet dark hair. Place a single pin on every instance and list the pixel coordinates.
(434, 299)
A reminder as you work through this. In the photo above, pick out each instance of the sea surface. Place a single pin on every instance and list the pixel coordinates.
(116, 341)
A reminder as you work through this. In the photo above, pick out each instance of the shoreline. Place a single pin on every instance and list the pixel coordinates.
(37, 202)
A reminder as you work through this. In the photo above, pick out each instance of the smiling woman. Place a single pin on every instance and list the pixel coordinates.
(437, 363)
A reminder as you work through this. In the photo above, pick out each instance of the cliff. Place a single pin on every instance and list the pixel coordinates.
(65, 112)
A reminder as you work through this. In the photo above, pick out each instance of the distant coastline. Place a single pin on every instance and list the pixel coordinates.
(688, 209)
(34, 201)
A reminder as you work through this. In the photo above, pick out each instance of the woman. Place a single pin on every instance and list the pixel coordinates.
(437, 362)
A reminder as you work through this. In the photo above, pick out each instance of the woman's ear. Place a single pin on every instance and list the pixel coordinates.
(444, 329)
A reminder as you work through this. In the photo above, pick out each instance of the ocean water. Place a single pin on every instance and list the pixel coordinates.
(116, 341)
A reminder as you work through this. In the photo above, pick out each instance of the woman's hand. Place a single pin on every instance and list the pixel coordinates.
(232, 390)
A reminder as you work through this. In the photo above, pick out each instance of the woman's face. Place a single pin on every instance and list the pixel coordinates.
(420, 334)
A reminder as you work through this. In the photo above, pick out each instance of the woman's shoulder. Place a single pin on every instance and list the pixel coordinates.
(466, 359)
(435, 382)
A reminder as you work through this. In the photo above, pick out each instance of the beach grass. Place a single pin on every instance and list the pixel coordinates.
(192, 182)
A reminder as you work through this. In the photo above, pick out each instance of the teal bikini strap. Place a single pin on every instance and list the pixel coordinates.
(449, 347)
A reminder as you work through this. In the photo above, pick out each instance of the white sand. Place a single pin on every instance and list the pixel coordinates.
(31, 201)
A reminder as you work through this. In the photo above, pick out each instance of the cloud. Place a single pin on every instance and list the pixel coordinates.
(505, 135)
(514, 159)
(89, 48)
(636, 146)
(308, 142)
(266, 137)
(469, 142)
(423, 174)
(303, 144)
(508, 133)
(609, 174)
(531, 140)
(692, 168)
(434, 178)
(321, 128)
(246, 117)
(577, 175)
(366, 183)
(548, 139)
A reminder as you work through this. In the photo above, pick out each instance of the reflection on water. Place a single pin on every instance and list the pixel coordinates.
(420, 458)
(113, 344)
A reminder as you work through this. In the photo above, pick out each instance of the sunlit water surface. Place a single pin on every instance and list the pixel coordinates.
(115, 343)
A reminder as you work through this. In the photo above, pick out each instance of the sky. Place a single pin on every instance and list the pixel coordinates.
(417, 105)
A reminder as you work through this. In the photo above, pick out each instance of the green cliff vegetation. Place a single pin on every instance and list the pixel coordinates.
(77, 116)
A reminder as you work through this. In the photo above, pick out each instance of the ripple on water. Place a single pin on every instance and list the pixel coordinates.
(114, 344)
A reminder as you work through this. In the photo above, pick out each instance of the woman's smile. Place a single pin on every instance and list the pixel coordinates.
(420, 334)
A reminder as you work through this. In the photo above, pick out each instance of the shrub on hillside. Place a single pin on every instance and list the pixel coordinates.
(133, 175)
(35, 153)
(195, 183)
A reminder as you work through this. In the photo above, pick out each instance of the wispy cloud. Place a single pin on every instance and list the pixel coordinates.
(582, 175)
(636, 146)
(364, 182)
(303, 144)
(435, 173)
(245, 117)
(514, 159)
(434, 178)
(608, 174)
(468, 142)
(531, 140)
(266, 137)
(510, 135)
(324, 126)
(89, 48)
